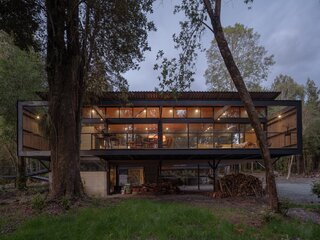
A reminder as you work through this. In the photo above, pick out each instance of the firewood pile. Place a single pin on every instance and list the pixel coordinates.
(154, 188)
(239, 185)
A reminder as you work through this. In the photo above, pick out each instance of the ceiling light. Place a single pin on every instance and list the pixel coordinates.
(167, 129)
(197, 110)
(38, 117)
(93, 111)
(279, 116)
(101, 119)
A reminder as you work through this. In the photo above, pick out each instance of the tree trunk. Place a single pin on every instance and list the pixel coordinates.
(290, 166)
(245, 97)
(64, 68)
(21, 181)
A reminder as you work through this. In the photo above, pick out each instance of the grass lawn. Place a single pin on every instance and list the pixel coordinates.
(150, 219)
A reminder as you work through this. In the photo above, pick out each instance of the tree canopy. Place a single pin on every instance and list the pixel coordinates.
(289, 88)
(251, 58)
(21, 19)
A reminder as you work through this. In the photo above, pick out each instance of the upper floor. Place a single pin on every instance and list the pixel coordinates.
(209, 121)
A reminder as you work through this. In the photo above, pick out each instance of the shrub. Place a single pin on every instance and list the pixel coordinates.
(316, 189)
(284, 206)
(65, 203)
(38, 202)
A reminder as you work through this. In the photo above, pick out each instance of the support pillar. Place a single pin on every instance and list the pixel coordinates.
(108, 169)
(198, 177)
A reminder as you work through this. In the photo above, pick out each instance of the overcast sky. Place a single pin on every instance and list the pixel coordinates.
(289, 29)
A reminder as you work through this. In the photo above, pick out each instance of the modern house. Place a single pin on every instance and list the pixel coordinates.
(139, 137)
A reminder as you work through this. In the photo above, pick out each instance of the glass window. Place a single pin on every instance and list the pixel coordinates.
(243, 113)
(180, 112)
(153, 112)
(139, 112)
(193, 112)
(112, 112)
(206, 112)
(167, 112)
(200, 135)
(229, 112)
(175, 135)
(145, 136)
(261, 112)
(125, 112)
(86, 112)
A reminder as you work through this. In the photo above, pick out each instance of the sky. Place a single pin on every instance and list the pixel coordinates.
(289, 29)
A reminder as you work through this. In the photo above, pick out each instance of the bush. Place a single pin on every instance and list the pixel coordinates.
(38, 202)
(65, 203)
(284, 206)
(316, 189)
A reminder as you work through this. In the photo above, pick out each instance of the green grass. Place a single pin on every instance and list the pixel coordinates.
(147, 219)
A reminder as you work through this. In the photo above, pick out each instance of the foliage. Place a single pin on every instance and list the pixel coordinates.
(250, 57)
(316, 189)
(114, 40)
(312, 137)
(176, 74)
(38, 202)
(147, 219)
(21, 75)
(289, 88)
(21, 19)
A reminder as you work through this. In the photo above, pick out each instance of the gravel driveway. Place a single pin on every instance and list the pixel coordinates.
(297, 190)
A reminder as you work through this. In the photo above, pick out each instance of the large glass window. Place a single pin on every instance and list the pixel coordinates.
(200, 135)
(167, 112)
(125, 112)
(175, 135)
(90, 112)
(153, 112)
(193, 112)
(228, 112)
(92, 136)
(180, 112)
(139, 112)
(112, 112)
(206, 112)
(261, 112)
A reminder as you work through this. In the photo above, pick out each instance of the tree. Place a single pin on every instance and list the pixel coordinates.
(289, 88)
(79, 34)
(21, 19)
(250, 57)
(176, 73)
(311, 120)
(21, 75)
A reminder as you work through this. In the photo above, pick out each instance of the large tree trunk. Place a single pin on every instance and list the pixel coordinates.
(245, 97)
(64, 68)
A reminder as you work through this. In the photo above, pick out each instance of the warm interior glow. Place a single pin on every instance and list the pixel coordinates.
(38, 117)
(279, 116)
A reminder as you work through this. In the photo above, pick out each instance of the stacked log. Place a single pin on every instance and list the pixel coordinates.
(239, 185)
(154, 188)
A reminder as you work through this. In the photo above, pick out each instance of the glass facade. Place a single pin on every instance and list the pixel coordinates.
(225, 127)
